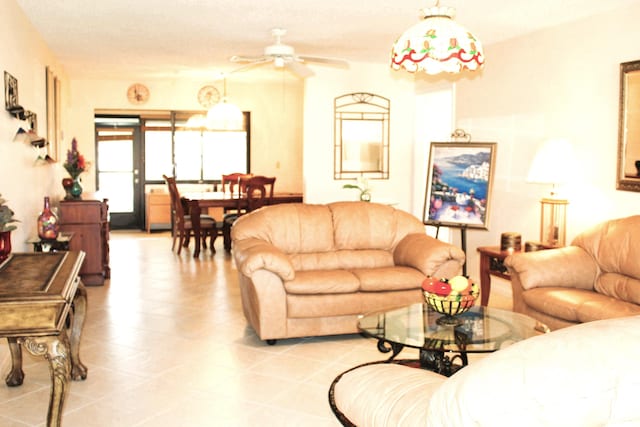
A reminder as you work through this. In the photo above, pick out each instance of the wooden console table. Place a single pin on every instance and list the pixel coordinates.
(38, 293)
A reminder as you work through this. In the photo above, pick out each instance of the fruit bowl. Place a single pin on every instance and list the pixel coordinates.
(450, 297)
(450, 304)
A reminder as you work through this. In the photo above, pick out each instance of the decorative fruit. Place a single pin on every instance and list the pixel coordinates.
(442, 287)
(429, 283)
(459, 284)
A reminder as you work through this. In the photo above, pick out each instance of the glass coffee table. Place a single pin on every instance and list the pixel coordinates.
(444, 348)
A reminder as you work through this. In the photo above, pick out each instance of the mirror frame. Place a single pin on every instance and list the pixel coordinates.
(624, 181)
(369, 111)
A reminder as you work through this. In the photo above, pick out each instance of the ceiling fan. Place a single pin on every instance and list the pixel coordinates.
(283, 56)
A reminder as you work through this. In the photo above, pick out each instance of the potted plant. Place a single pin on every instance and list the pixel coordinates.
(6, 227)
(362, 185)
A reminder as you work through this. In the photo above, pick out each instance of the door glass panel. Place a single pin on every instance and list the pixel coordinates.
(115, 168)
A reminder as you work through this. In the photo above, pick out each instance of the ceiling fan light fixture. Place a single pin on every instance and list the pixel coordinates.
(437, 44)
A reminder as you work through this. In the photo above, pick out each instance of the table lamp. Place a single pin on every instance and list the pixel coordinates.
(551, 165)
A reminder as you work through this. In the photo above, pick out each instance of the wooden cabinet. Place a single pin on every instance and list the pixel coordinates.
(157, 211)
(88, 220)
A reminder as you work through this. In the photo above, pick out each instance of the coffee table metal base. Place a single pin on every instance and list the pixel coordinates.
(439, 361)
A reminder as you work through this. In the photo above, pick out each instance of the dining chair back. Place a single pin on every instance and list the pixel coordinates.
(258, 192)
(182, 228)
(230, 182)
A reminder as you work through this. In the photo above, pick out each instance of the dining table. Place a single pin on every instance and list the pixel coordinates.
(199, 201)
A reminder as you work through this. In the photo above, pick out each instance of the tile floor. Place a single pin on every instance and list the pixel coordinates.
(166, 345)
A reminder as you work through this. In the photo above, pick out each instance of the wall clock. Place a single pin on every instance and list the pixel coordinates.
(138, 93)
(208, 96)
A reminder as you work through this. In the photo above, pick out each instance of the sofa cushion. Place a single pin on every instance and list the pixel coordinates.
(577, 376)
(371, 225)
(577, 305)
(342, 259)
(291, 227)
(313, 282)
(614, 245)
(388, 279)
(619, 286)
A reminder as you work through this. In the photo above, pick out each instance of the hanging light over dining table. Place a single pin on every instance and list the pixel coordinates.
(225, 116)
(437, 44)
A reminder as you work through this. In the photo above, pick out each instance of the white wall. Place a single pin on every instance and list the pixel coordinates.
(23, 181)
(561, 82)
(320, 92)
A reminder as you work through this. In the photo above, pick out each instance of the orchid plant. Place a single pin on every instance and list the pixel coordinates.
(362, 184)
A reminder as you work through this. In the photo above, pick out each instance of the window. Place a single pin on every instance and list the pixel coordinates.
(193, 154)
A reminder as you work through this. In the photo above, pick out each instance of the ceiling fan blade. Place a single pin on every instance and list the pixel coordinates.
(325, 60)
(242, 58)
(299, 69)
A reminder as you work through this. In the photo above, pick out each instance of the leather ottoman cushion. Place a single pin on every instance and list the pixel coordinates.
(386, 394)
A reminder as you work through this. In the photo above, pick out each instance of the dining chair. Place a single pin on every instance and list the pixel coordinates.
(258, 192)
(182, 228)
(230, 182)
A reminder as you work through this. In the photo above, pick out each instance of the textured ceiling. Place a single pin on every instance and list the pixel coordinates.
(182, 38)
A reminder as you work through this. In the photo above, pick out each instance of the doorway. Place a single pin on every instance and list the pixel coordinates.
(118, 169)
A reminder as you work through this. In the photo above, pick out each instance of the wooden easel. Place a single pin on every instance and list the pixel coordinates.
(463, 240)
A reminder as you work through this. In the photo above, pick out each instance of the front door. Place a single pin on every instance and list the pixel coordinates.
(118, 149)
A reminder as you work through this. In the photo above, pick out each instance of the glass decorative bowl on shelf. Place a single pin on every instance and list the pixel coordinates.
(450, 305)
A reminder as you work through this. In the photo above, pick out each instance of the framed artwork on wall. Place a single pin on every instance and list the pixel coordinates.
(53, 112)
(459, 181)
(10, 91)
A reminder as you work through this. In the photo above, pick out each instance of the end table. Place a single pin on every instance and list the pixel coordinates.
(61, 243)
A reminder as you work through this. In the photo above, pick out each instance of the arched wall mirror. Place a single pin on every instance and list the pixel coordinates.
(361, 141)
(629, 127)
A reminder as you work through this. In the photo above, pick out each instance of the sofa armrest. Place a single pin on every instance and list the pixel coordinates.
(427, 254)
(570, 267)
(255, 254)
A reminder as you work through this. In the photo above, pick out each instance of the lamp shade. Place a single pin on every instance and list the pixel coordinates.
(437, 44)
(553, 163)
(225, 116)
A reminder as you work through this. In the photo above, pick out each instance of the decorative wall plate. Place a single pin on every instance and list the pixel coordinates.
(138, 93)
(208, 96)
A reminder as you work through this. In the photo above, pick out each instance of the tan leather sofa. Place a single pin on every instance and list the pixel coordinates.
(596, 277)
(310, 270)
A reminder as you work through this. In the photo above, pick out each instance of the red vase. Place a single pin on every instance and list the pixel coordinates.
(48, 222)
(67, 183)
(5, 245)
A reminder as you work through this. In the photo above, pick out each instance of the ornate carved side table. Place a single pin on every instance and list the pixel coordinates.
(42, 308)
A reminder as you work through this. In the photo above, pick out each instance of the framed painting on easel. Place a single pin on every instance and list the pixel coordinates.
(459, 181)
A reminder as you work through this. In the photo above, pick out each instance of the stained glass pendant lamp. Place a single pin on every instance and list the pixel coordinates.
(437, 44)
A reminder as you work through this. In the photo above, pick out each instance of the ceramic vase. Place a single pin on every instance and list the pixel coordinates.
(48, 226)
(67, 183)
(5, 245)
(76, 188)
